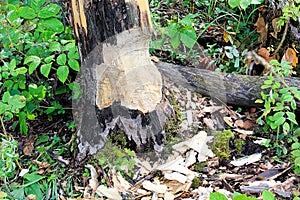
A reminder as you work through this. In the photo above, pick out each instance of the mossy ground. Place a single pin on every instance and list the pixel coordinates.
(220, 145)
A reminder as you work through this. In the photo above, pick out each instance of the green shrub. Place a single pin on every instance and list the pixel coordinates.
(38, 56)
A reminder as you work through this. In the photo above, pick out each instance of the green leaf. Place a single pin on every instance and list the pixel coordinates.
(55, 46)
(30, 116)
(17, 102)
(3, 107)
(18, 193)
(244, 4)
(33, 62)
(286, 127)
(21, 70)
(34, 189)
(23, 124)
(293, 105)
(45, 69)
(188, 38)
(51, 10)
(49, 59)
(229, 54)
(42, 139)
(36, 4)
(259, 101)
(268, 82)
(279, 121)
(32, 177)
(6, 97)
(292, 117)
(234, 3)
(257, 1)
(243, 197)
(74, 64)
(237, 62)
(296, 145)
(61, 59)
(73, 54)
(278, 115)
(296, 153)
(188, 19)
(175, 40)
(70, 46)
(217, 196)
(283, 90)
(51, 24)
(62, 73)
(27, 13)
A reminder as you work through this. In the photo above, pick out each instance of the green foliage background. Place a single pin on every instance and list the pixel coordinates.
(38, 55)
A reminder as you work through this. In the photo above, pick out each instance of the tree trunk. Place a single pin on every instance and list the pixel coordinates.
(121, 86)
(233, 89)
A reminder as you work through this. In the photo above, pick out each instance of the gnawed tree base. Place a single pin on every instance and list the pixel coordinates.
(122, 89)
(233, 89)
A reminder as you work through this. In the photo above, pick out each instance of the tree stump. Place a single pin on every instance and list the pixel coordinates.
(121, 87)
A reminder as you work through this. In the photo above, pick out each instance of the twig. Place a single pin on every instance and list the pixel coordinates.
(283, 36)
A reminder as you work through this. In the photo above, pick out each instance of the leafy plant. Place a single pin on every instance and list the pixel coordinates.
(242, 4)
(178, 34)
(295, 153)
(37, 53)
(290, 10)
(266, 195)
(279, 107)
(8, 158)
(113, 156)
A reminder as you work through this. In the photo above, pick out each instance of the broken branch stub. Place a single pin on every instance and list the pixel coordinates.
(120, 85)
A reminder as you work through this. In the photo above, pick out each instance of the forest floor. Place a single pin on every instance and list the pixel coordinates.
(211, 147)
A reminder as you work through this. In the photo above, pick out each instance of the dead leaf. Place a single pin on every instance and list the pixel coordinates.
(228, 121)
(247, 124)
(93, 182)
(23, 172)
(290, 56)
(246, 160)
(28, 146)
(209, 123)
(175, 176)
(31, 197)
(262, 29)
(276, 28)
(225, 36)
(148, 185)
(110, 193)
(260, 24)
(263, 52)
(119, 182)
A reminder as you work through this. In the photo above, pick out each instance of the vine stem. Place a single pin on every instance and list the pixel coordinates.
(3, 127)
(283, 36)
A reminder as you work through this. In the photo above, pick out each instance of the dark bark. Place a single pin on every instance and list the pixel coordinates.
(121, 86)
(234, 89)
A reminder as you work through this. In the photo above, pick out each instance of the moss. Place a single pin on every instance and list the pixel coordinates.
(172, 125)
(199, 166)
(118, 138)
(239, 143)
(220, 145)
(196, 183)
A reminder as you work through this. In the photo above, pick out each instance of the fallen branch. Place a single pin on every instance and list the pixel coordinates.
(234, 89)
